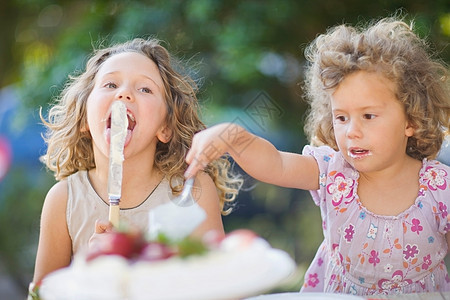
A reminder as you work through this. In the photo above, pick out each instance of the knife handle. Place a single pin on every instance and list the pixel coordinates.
(114, 215)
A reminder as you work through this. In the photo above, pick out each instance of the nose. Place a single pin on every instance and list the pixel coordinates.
(124, 94)
(354, 129)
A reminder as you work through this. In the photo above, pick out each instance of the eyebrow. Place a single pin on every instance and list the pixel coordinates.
(151, 79)
(368, 107)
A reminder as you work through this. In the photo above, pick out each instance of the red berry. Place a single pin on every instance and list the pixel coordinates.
(239, 239)
(212, 239)
(117, 243)
(154, 251)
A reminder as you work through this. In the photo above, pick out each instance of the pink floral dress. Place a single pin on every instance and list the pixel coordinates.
(364, 253)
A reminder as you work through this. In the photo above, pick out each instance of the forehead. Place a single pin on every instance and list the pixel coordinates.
(131, 63)
(367, 87)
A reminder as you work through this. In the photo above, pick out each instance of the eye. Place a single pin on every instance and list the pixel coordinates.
(110, 85)
(340, 118)
(146, 90)
(369, 116)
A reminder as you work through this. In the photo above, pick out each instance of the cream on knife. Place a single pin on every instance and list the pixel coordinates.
(118, 134)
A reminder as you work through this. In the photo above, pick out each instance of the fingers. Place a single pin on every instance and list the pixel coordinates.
(193, 169)
(198, 158)
(195, 161)
(102, 226)
(207, 145)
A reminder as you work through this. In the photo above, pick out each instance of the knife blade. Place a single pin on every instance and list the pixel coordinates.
(118, 134)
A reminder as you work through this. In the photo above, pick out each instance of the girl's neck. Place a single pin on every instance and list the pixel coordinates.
(139, 179)
(391, 191)
(406, 168)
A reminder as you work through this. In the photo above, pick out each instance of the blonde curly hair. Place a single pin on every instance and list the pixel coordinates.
(70, 146)
(388, 46)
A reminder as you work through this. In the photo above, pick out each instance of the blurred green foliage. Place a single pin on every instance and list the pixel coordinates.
(235, 49)
(20, 206)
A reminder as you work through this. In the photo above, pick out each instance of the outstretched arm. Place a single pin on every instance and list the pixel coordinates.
(256, 156)
(55, 246)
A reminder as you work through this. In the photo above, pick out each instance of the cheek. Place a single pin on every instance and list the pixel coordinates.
(340, 136)
(339, 131)
(89, 108)
(89, 117)
(95, 107)
(93, 119)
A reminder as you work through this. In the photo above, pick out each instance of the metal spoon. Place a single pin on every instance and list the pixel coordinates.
(185, 199)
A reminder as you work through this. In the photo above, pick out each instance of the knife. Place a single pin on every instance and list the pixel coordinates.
(118, 134)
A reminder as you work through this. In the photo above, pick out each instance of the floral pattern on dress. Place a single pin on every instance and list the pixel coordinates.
(397, 281)
(435, 178)
(416, 227)
(341, 188)
(410, 252)
(313, 280)
(349, 232)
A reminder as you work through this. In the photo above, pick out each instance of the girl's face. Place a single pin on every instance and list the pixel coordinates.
(134, 79)
(369, 122)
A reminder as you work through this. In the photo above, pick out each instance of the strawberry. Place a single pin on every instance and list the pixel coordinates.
(244, 234)
(212, 239)
(126, 244)
(153, 251)
(239, 239)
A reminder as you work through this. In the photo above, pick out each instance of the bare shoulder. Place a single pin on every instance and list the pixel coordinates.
(56, 199)
(204, 187)
(205, 193)
(59, 189)
(203, 178)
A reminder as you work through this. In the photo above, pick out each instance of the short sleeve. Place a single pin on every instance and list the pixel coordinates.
(435, 184)
(327, 159)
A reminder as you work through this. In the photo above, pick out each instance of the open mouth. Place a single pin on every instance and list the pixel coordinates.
(131, 121)
(358, 153)
(131, 125)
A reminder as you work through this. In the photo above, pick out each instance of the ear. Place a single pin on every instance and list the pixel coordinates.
(164, 134)
(409, 130)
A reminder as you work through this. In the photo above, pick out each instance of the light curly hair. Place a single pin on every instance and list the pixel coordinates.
(70, 146)
(390, 47)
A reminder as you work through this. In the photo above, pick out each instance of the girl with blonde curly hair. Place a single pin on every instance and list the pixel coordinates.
(380, 110)
(162, 111)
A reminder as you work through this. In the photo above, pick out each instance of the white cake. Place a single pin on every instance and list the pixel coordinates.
(240, 265)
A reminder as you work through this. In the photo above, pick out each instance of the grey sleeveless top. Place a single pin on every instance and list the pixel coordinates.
(84, 207)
